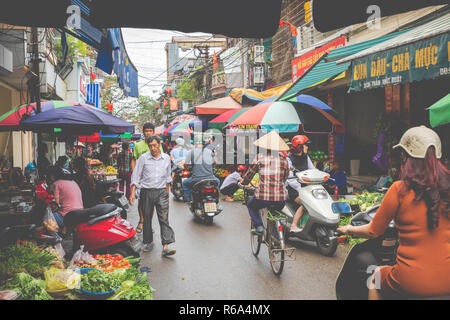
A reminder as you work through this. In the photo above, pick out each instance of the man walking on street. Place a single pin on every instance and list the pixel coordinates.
(139, 149)
(153, 174)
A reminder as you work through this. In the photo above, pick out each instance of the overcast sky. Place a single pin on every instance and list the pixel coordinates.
(146, 50)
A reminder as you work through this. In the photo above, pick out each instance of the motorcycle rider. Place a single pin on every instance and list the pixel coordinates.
(419, 206)
(178, 155)
(202, 161)
(298, 161)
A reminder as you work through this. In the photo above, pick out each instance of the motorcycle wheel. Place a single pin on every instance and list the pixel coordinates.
(125, 251)
(326, 247)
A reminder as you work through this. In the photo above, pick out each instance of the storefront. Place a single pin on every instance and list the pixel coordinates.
(391, 85)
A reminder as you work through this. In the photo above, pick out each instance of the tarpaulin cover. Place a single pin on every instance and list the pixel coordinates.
(218, 106)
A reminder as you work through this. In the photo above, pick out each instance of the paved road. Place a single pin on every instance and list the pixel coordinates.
(215, 262)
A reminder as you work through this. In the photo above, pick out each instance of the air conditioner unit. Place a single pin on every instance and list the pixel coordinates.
(259, 54)
(258, 75)
(6, 59)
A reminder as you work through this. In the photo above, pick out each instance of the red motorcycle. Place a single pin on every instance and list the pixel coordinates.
(101, 229)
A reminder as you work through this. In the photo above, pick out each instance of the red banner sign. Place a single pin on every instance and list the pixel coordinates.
(301, 64)
(173, 104)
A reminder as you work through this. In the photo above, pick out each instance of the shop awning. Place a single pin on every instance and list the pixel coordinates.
(440, 112)
(418, 54)
(327, 69)
(243, 95)
(433, 28)
(218, 106)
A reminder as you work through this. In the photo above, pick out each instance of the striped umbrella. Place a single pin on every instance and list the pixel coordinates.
(280, 116)
(225, 118)
(10, 120)
(182, 128)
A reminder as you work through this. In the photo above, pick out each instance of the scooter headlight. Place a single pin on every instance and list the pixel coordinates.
(320, 194)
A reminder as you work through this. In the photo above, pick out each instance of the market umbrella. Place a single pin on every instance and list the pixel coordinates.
(280, 116)
(115, 137)
(159, 130)
(182, 128)
(76, 119)
(440, 112)
(201, 123)
(166, 132)
(11, 119)
(223, 119)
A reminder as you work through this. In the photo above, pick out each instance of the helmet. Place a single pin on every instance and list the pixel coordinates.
(416, 141)
(300, 140)
(179, 141)
(242, 168)
(207, 137)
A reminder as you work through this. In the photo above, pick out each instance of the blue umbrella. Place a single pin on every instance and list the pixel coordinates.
(76, 119)
(203, 124)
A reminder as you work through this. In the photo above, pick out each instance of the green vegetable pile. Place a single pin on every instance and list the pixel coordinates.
(29, 287)
(97, 281)
(366, 200)
(136, 287)
(317, 155)
(238, 195)
(345, 220)
(24, 257)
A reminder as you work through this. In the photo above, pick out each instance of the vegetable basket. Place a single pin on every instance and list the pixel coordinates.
(94, 295)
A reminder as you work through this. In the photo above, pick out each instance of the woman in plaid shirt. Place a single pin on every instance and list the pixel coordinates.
(273, 170)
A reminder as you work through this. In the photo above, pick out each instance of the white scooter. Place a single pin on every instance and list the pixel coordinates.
(321, 216)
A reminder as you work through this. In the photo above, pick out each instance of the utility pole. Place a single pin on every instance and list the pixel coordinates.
(36, 87)
(36, 62)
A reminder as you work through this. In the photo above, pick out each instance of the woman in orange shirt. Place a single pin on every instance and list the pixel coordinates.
(419, 206)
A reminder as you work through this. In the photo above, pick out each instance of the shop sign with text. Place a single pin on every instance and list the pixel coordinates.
(425, 59)
(302, 63)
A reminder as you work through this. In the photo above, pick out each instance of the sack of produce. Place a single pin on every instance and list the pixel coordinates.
(61, 279)
(49, 221)
(81, 257)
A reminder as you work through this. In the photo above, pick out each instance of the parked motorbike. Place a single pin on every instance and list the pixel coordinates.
(321, 216)
(101, 229)
(108, 190)
(177, 187)
(205, 200)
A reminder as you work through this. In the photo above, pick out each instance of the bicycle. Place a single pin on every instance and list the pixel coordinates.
(272, 235)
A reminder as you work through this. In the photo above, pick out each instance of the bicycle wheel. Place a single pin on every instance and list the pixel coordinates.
(255, 241)
(275, 247)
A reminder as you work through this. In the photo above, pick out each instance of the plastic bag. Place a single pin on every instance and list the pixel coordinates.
(61, 279)
(49, 221)
(81, 257)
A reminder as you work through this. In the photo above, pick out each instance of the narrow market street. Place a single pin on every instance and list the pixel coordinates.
(215, 262)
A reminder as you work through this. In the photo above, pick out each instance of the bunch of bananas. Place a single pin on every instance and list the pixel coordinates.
(111, 170)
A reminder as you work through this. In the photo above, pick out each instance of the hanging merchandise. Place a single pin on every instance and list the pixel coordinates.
(173, 104)
(215, 62)
(292, 29)
(169, 91)
(165, 102)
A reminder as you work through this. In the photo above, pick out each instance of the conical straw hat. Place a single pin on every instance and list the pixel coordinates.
(272, 141)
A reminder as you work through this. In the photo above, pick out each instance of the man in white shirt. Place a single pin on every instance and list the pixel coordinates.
(153, 174)
(230, 184)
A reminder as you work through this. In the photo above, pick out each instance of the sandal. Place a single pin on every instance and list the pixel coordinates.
(139, 229)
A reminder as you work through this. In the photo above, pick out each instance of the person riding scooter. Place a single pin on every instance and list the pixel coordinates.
(202, 160)
(419, 206)
(298, 161)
